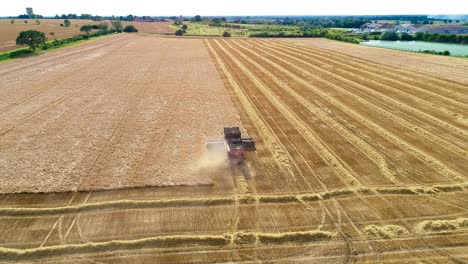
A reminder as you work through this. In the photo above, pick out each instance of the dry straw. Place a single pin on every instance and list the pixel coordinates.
(151, 242)
(229, 200)
(386, 231)
(239, 238)
(442, 225)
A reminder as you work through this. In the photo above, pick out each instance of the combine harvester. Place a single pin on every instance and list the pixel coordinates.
(233, 143)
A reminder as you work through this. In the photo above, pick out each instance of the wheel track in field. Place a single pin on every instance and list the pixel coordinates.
(284, 109)
(257, 120)
(371, 153)
(52, 104)
(279, 131)
(280, 155)
(107, 149)
(59, 81)
(350, 220)
(394, 82)
(378, 72)
(328, 98)
(59, 219)
(437, 120)
(410, 228)
(423, 132)
(230, 77)
(392, 72)
(41, 110)
(284, 139)
(312, 59)
(312, 139)
(304, 84)
(51, 58)
(375, 127)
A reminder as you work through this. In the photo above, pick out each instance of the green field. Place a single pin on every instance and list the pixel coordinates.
(202, 29)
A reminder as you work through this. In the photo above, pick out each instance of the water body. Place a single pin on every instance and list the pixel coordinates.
(454, 49)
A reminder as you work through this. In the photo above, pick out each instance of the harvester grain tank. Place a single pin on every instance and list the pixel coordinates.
(233, 143)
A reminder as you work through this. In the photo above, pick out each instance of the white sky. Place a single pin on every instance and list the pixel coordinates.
(234, 7)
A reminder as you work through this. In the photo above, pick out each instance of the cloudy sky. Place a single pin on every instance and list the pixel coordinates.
(234, 7)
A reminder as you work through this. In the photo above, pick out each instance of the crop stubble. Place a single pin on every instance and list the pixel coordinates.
(344, 147)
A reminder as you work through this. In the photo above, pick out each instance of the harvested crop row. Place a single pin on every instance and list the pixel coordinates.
(444, 118)
(397, 80)
(167, 242)
(372, 103)
(241, 198)
(308, 134)
(376, 127)
(284, 147)
(394, 64)
(427, 226)
(371, 153)
(271, 140)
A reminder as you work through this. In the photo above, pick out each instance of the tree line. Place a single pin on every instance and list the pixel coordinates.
(422, 36)
(35, 39)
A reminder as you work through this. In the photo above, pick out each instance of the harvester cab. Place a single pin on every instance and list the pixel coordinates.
(233, 144)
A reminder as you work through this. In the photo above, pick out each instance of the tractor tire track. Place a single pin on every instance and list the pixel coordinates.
(279, 105)
(56, 81)
(348, 242)
(19, 64)
(286, 143)
(371, 153)
(308, 135)
(280, 156)
(54, 103)
(339, 208)
(456, 88)
(391, 83)
(444, 170)
(427, 134)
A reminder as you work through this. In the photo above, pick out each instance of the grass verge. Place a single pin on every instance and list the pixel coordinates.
(26, 52)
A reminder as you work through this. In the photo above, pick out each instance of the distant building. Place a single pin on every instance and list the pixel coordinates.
(146, 19)
(29, 10)
(415, 28)
(371, 27)
(449, 29)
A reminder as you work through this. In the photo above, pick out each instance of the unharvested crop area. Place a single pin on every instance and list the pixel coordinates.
(108, 115)
(356, 161)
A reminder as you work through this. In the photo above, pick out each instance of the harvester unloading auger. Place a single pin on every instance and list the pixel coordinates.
(233, 143)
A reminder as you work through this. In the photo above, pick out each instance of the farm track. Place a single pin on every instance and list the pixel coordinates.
(342, 144)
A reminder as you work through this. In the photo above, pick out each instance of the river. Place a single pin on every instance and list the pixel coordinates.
(454, 49)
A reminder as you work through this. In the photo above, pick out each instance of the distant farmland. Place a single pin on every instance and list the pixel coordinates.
(10, 31)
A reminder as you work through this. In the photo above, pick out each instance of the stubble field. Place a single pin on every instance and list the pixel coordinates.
(356, 161)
